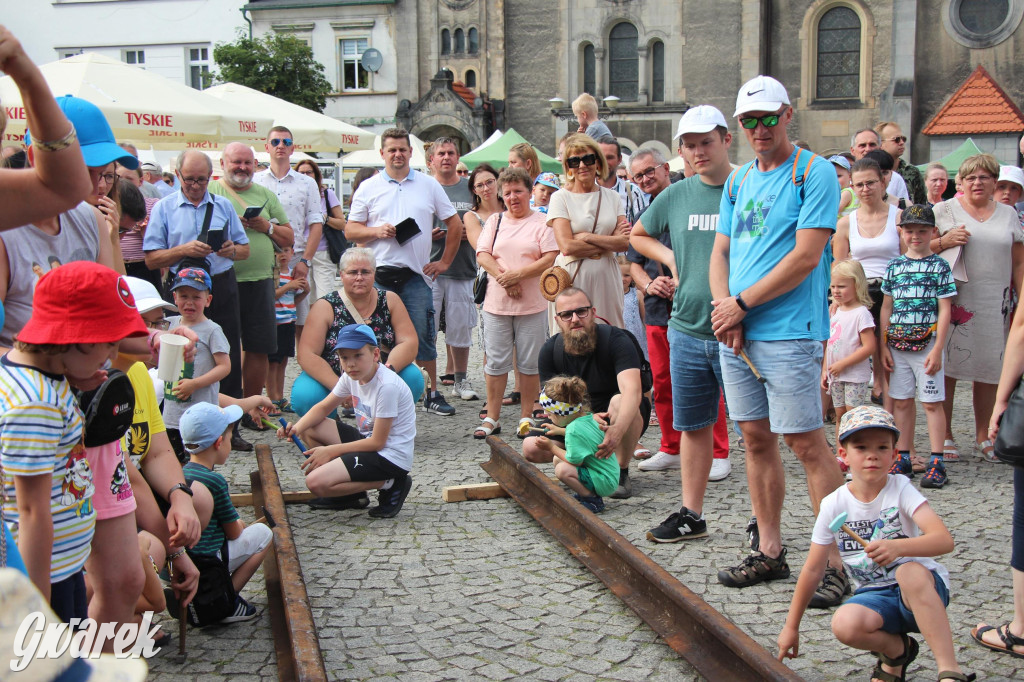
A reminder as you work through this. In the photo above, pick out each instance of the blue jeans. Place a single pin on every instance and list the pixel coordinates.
(419, 301)
(307, 391)
(696, 381)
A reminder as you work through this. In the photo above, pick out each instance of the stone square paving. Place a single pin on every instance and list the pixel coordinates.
(478, 591)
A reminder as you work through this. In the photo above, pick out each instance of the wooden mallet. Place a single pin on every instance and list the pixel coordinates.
(746, 359)
(839, 523)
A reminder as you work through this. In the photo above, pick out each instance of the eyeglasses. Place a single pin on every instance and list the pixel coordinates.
(162, 324)
(194, 181)
(108, 178)
(769, 121)
(899, 139)
(978, 178)
(864, 185)
(359, 273)
(286, 141)
(582, 313)
(649, 173)
(307, 171)
(462, 172)
(586, 160)
(486, 184)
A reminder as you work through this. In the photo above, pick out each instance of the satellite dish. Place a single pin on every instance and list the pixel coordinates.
(372, 60)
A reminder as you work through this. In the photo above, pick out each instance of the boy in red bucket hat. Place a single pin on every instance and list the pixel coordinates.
(81, 312)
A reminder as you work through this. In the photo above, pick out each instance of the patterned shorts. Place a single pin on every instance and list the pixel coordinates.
(850, 394)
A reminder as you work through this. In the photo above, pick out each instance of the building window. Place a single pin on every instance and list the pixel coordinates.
(446, 41)
(199, 67)
(353, 75)
(135, 57)
(474, 41)
(460, 41)
(838, 68)
(589, 70)
(471, 79)
(623, 62)
(980, 24)
(658, 71)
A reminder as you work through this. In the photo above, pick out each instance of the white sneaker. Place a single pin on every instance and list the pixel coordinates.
(464, 390)
(720, 468)
(659, 462)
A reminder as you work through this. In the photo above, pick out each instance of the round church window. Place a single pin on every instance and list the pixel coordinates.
(980, 24)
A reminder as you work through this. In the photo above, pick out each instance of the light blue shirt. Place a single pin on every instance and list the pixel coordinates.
(174, 221)
(761, 225)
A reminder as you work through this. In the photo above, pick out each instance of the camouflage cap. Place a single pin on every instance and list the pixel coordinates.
(866, 417)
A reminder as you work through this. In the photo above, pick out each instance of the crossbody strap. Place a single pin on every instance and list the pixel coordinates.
(206, 221)
(350, 306)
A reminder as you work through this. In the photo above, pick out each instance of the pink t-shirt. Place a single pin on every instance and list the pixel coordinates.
(844, 339)
(520, 242)
(113, 496)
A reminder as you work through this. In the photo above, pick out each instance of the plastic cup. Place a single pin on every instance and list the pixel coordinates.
(172, 357)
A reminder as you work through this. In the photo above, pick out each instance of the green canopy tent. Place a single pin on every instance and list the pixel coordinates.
(496, 153)
(956, 157)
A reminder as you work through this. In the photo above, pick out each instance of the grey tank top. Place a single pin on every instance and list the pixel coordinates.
(31, 253)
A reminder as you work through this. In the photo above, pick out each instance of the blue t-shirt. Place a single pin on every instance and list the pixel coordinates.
(762, 221)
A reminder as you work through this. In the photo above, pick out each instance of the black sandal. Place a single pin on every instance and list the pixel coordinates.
(960, 677)
(512, 398)
(447, 379)
(1010, 640)
(910, 649)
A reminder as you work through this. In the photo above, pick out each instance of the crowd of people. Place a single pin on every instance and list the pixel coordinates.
(788, 292)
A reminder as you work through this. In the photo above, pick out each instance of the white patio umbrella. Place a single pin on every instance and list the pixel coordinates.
(371, 157)
(140, 106)
(313, 132)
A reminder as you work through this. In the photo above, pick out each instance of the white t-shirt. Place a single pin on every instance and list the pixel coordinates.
(898, 187)
(384, 396)
(892, 512)
(844, 340)
(382, 200)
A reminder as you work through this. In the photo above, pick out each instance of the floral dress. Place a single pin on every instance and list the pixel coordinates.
(379, 321)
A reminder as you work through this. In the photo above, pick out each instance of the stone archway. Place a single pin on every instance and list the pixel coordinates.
(443, 112)
(443, 130)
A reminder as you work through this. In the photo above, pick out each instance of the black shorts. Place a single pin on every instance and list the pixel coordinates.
(258, 318)
(285, 343)
(366, 466)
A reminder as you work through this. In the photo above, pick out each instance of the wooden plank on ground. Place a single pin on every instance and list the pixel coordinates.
(245, 499)
(473, 491)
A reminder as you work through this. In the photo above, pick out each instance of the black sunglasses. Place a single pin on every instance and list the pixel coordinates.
(586, 160)
(287, 142)
(769, 121)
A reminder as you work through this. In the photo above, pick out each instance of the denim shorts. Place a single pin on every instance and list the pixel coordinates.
(696, 381)
(888, 603)
(791, 399)
(418, 298)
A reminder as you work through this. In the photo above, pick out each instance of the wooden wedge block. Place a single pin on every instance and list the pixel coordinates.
(473, 491)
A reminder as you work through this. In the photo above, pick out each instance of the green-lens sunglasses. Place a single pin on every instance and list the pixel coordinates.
(769, 121)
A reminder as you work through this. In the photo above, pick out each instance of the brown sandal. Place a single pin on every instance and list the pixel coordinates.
(910, 649)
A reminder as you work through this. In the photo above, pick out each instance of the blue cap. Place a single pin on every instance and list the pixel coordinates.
(197, 278)
(354, 336)
(548, 180)
(840, 160)
(94, 134)
(204, 423)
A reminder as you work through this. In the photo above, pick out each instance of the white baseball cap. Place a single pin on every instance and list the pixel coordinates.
(1011, 174)
(762, 93)
(146, 296)
(700, 119)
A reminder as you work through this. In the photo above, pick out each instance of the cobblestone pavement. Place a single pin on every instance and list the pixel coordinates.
(477, 590)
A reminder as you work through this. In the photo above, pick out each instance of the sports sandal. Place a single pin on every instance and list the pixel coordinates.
(487, 427)
(986, 451)
(523, 430)
(756, 568)
(1010, 640)
(910, 649)
(512, 398)
(447, 379)
(950, 453)
(960, 677)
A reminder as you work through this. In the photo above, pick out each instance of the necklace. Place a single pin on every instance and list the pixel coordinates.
(877, 219)
(979, 214)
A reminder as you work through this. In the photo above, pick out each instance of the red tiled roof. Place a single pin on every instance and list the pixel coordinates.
(465, 93)
(979, 106)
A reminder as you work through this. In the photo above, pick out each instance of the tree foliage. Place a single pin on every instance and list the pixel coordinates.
(277, 64)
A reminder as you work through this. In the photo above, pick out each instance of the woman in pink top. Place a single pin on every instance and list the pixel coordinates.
(515, 247)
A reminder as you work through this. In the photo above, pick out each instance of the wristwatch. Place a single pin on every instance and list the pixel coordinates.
(305, 261)
(179, 486)
(270, 230)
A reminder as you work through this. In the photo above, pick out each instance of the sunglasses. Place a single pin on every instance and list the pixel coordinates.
(582, 313)
(899, 139)
(586, 160)
(287, 141)
(769, 121)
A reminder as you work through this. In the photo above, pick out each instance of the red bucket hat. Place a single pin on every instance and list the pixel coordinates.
(82, 302)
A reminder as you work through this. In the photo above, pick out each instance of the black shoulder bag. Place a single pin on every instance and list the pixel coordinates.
(1009, 445)
(192, 261)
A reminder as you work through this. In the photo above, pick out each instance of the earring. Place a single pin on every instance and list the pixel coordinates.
(569, 174)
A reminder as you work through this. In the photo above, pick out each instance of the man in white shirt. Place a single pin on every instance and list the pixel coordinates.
(301, 200)
(393, 214)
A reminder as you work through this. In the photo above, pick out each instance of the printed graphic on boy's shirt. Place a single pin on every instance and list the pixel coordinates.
(364, 415)
(862, 568)
(752, 219)
(77, 489)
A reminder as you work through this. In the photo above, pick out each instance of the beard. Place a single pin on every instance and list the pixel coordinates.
(238, 180)
(579, 341)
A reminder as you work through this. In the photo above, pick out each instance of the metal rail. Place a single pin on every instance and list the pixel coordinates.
(711, 643)
(295, 638)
